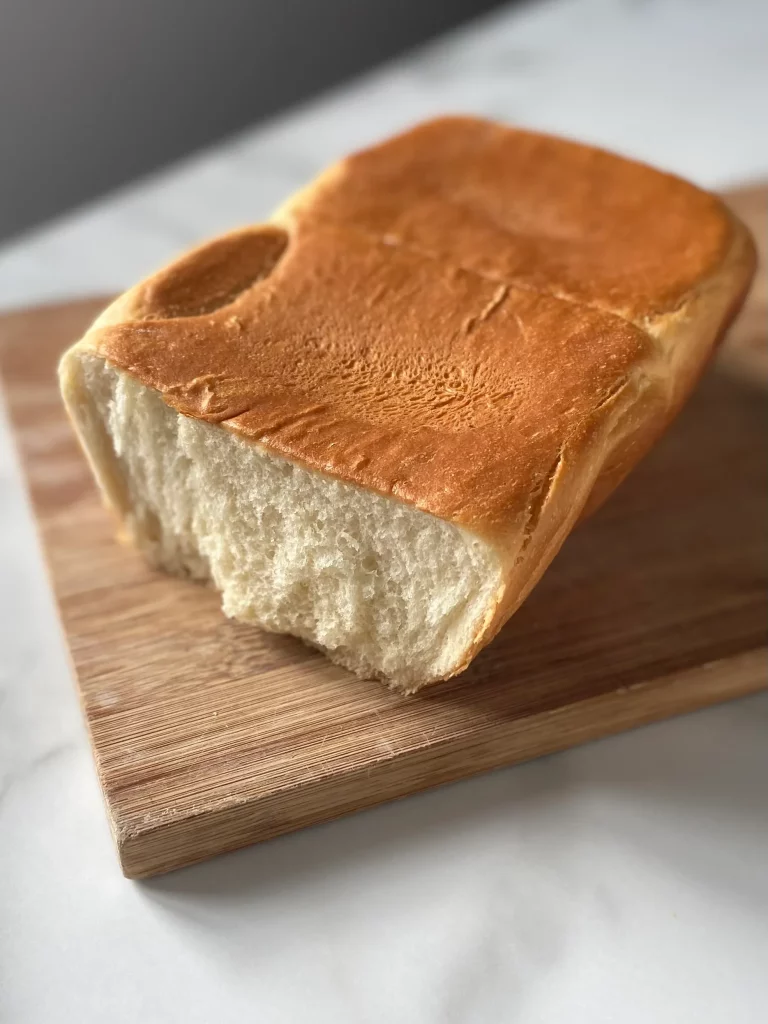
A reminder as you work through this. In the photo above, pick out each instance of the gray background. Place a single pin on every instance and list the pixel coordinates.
(96, 92)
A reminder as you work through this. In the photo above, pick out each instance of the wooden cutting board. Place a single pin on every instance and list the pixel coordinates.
(210, 735)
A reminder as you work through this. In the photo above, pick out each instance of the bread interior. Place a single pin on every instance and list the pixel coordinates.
(384, 588)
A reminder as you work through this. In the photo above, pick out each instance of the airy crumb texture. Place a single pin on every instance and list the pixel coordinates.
(384, 589)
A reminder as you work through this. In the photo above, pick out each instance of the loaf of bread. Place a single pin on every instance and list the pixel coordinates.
(373, 421)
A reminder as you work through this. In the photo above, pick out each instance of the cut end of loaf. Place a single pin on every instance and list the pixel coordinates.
(384, 589)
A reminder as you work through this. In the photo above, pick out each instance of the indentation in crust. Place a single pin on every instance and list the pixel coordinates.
(213, 276)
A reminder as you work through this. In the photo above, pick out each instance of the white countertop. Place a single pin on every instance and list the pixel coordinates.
(626, 881)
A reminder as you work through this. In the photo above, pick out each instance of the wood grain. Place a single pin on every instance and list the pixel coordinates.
(210, 735)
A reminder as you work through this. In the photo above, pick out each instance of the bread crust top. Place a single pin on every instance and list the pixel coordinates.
(457, 318)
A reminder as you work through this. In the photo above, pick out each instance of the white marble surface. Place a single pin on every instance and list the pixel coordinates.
(626, 881)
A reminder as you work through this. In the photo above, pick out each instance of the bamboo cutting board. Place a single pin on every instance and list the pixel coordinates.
(210, 735)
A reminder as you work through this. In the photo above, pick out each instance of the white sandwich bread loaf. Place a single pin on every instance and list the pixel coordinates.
(372, 422)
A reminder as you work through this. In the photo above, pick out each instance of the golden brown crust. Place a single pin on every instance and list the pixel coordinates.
(546, 213)
(489, 324)
(379, 366)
